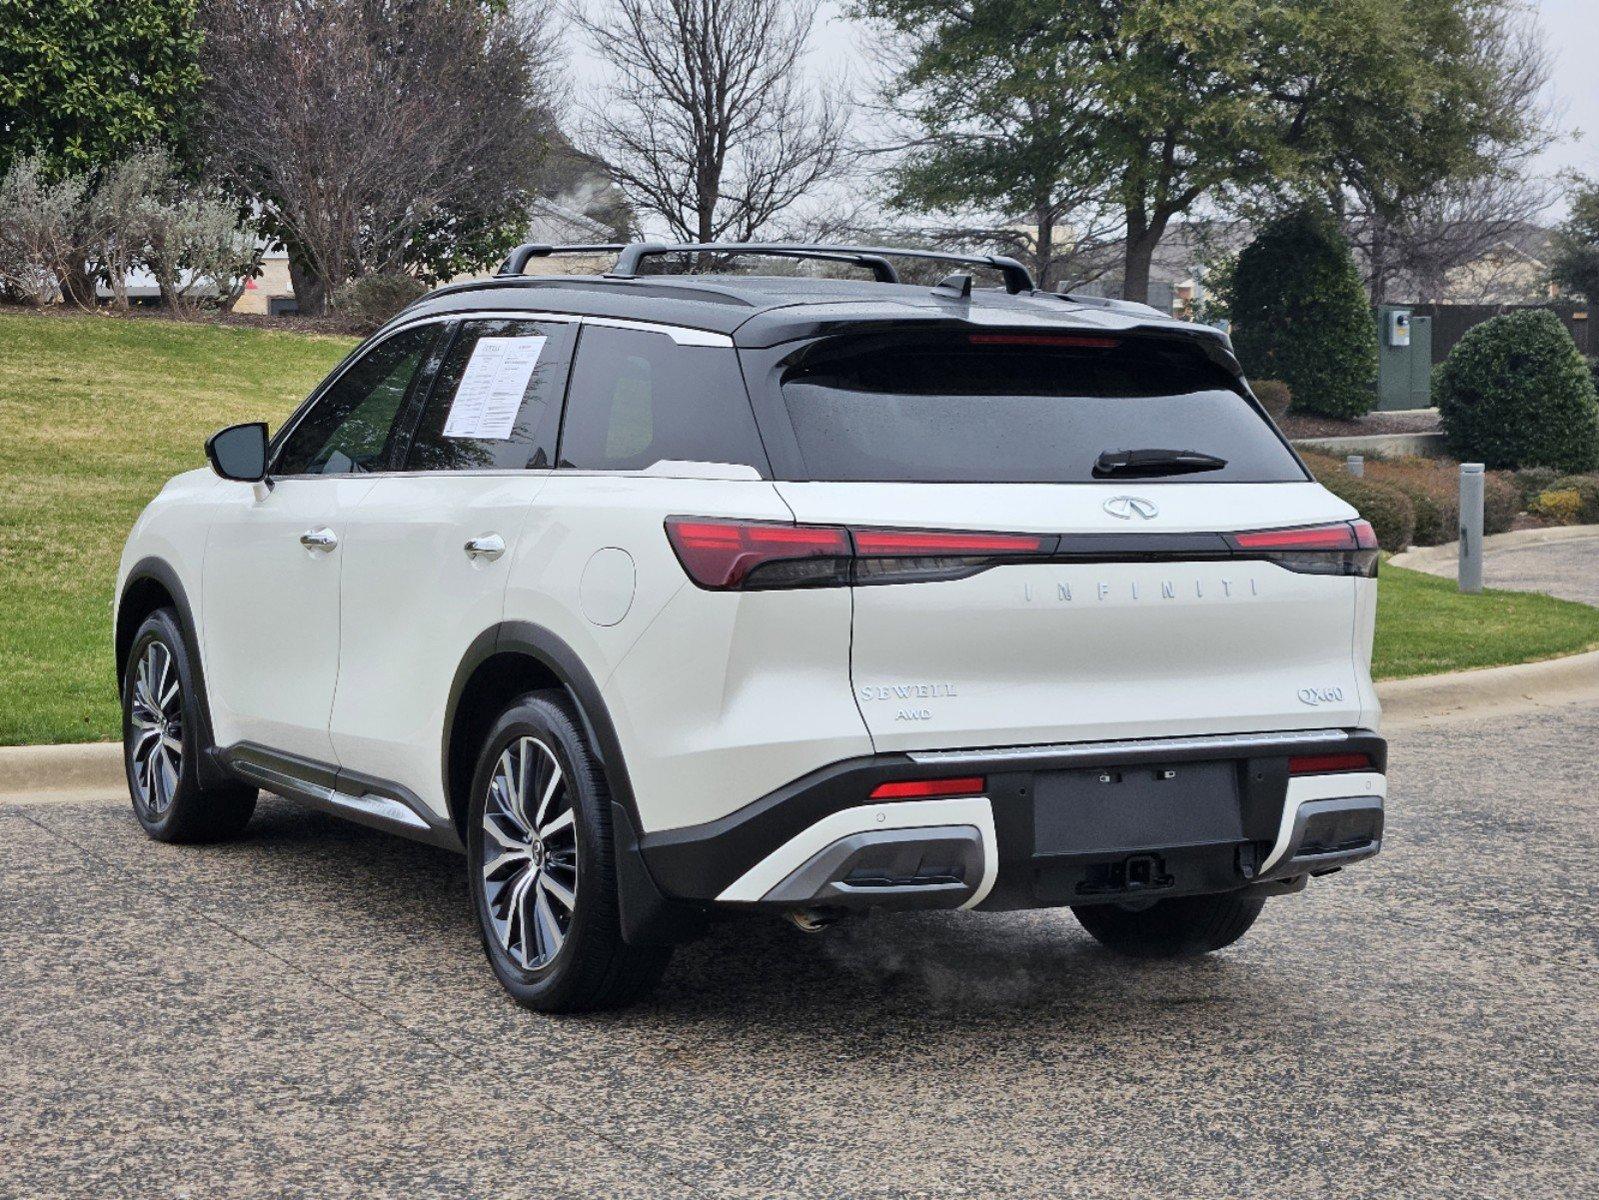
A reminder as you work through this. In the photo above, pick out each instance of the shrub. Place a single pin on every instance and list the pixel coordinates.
(39, 224)
(1390, 511)
(1563, 506)
(1532, 481)
(1515, 392)
(1300, 314)
(373, 299)
(1587, 489)
(1275, 396)
(1501, 501)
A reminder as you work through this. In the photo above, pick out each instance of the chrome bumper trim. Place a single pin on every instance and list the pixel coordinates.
(1220, 745)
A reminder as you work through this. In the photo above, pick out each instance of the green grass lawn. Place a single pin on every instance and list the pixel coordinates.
(1425, 625)
(97, 412)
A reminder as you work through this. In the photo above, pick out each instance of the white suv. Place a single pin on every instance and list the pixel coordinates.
(662, 594)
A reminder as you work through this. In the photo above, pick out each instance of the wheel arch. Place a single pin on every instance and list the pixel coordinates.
(151, 584)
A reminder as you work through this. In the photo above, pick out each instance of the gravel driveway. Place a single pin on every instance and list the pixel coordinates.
(307, 1012)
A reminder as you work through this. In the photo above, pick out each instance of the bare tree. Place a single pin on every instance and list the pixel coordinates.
(707, 122)
(379, 134)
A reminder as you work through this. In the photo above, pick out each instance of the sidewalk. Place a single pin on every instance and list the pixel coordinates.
(1561, 562)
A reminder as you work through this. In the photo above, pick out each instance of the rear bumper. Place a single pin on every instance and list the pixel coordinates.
(1223, 813)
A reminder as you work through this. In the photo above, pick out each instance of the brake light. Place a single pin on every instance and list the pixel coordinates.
(1344, 548)
(727, 554)
(923, 789)
(1073, 340)
(1328, 764)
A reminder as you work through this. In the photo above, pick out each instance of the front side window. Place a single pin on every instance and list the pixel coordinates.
(1021, 408)
(496, 402)
(638, 398)
(349, 429)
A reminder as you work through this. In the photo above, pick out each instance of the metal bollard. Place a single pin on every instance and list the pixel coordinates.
(1355, 464)
(1471, 527)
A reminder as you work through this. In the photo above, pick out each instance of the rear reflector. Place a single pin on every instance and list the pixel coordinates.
(1328, 764)
(922, 789)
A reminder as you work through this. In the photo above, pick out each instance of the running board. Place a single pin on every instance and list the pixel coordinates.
(377, 805)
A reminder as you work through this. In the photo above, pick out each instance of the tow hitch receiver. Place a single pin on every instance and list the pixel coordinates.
(1139, 873)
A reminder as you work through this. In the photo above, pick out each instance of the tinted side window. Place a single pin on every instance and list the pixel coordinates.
(496, 402)
(348, 429)
(638, 398)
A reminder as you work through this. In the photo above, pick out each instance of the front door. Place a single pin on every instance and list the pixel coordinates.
(275, 553)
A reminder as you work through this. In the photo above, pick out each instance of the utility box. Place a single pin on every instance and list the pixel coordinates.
(1404, 358)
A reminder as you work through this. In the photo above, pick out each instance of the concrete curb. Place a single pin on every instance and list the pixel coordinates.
(1430, 558)
(71, 773)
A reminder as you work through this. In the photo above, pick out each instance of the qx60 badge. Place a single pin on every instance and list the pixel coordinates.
(1127, 507)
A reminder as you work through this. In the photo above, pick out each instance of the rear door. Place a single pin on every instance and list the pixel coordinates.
(1112, 603)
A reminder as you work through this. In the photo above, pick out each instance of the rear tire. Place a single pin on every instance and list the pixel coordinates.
(542, 866)
(161, 743)
(1178, 928)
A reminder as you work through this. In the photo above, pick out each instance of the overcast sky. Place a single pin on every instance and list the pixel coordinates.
(1570, 26)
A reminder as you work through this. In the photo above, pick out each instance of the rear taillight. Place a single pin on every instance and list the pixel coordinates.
(1328, 764)
(927, 789)
(1344, 548)
(753, 554)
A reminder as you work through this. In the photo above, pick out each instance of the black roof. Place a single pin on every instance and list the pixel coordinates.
(758, 310)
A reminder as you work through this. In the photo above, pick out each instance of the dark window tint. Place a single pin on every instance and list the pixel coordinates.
(638, 398)
(348, 429)
(496, 402)
(1020, 412)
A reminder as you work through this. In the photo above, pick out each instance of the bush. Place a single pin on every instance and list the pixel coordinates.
(1501, 501)
(1300, 314)
(1515, 392)
(373, 299)
(1531, 482)
(1275, 396)
(1587, 489)
(39, 224)
(1390, 511)
(1563, 506)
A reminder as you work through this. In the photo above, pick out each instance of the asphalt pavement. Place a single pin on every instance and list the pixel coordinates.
(306, 1012)
(1566, 566)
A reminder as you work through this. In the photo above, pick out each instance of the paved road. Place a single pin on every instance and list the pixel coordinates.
(306, 1012)
(1568, 569)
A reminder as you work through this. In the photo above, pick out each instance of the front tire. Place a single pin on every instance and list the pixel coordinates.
(161, 743)
(543, 866)
(1178, 928)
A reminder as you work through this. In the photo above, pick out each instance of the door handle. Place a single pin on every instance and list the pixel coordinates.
(487, 547)
(323, 539)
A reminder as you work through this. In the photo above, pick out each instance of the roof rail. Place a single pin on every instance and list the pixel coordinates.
(516, 262)
(1017, 277)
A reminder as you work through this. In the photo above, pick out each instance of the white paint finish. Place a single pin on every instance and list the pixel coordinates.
(413, 600)
(1038, 653)
(717, 698)
(911, 814)
(606, 591)
(1304, 788)
(1365, 633)
(271, 612)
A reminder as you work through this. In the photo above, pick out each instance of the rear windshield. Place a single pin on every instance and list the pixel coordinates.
(996, 408)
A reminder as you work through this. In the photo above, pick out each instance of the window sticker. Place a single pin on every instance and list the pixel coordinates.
(492, 386)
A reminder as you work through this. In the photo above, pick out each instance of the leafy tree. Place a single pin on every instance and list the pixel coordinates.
(84, 81)
(1300, 315)
(1151, 106)
(1515, 392)
(1576, 262)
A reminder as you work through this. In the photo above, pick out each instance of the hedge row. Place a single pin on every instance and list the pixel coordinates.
(1416, 501)
(1569, 500)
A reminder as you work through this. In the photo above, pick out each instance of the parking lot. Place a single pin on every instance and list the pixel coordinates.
(307, 1012)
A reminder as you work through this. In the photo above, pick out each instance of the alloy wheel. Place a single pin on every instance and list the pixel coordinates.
(156, 714)
(529, 844)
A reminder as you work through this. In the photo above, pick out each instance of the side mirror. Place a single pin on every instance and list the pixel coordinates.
(239, 452)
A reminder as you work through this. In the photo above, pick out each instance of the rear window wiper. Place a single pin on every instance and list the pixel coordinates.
(1147, 464)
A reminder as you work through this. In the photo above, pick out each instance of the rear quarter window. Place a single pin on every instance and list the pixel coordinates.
(989, 408)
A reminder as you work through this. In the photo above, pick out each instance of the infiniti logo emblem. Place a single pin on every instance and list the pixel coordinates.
(1127, 507)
